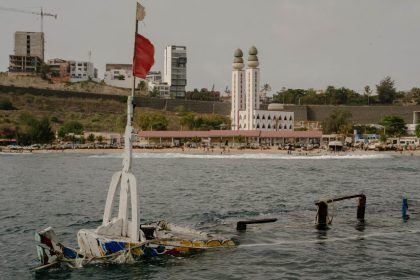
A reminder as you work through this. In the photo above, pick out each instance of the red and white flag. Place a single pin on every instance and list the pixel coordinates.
(143, 57)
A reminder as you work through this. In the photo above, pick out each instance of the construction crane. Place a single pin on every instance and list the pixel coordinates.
(41, 14)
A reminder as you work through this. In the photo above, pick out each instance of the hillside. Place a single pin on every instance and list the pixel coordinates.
(37, 82)
(95, 115)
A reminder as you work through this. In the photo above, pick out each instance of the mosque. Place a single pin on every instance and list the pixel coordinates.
(246, 113)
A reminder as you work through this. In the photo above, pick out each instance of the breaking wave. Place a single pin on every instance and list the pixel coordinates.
(244, 156)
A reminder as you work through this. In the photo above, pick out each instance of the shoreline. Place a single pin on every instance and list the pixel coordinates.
(217, 152)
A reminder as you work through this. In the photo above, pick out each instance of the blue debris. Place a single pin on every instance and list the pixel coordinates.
(69, 253)
(114, 246)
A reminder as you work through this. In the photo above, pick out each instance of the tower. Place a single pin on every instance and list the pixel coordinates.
(238, 90)
(252, 86)
(175, 70)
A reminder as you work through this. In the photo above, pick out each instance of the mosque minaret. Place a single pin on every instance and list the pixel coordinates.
(245, 111)
(252, 84)
(238, 88)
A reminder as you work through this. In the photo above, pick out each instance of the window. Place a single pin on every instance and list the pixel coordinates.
(263, 117)
(258, 125)
(269, 126)
(263, 126)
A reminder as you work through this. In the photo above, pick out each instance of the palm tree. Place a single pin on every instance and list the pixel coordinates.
(367, 92)
(266, 88)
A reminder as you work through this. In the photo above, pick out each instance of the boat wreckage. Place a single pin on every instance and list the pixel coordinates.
(121, 238)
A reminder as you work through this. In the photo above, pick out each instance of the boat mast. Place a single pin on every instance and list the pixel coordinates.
(130, 114)
(126, 182)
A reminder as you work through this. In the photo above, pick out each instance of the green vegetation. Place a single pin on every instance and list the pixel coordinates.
(418, 129)
(91, 138)
(338, 122)
(69, 127)
(394, 125)
(6, 104)
(203, 95)
(204, 122)
(386, 91)
(152, 121)
(30, 130)
(154, 93)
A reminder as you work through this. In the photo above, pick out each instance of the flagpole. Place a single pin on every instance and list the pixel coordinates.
(134, 54)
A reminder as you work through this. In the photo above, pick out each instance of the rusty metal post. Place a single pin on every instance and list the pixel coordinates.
(321, 219)
(361, 206)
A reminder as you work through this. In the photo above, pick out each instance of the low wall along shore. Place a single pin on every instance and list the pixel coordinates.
(361, 114)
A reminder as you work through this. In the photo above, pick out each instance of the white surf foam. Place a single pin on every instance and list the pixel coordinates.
(244, 156)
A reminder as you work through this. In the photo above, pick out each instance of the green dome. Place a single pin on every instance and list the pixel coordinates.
(253, 51)
(252, 58)
(238, 53)
(238, 60)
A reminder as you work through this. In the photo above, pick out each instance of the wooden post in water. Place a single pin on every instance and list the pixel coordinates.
(361, 206)
(321, 219)
(322, 215)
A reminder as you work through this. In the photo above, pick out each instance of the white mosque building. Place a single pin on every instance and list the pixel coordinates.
(245, 112)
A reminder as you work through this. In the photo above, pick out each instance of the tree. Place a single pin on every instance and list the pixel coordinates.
(386, 91)
(70, 127)
(394, 125)
(33, 130)
(100, 138)
(154, 93)
(338, 122)
(152, 121)
(418, 129)
(367, 93)
(44, 131)
(91, 137)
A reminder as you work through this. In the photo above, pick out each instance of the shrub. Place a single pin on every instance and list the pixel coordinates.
(6, 104)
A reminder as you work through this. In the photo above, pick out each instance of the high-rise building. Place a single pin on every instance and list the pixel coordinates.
(29, 44)
(175, 70)
(29, 52)
(245, 112)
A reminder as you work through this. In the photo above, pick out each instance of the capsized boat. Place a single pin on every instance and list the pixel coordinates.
(121, 238)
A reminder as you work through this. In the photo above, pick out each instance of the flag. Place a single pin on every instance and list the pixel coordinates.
(143, 56)
(141, 12)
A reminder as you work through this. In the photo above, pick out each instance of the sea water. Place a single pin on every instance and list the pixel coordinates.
(211, 193)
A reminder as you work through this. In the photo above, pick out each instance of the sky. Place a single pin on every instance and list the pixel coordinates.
(301, 43)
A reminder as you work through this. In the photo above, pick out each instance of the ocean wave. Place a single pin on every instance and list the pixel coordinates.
(244, 156)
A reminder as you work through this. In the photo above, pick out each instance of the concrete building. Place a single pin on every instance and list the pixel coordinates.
(119, 75)
(154, 81)
(59, 70)
(246, 113)
(29, 44)
(28, 54)
(82, 71)
(175, 70)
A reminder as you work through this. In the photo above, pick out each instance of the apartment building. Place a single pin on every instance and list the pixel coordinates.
(175, 70)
